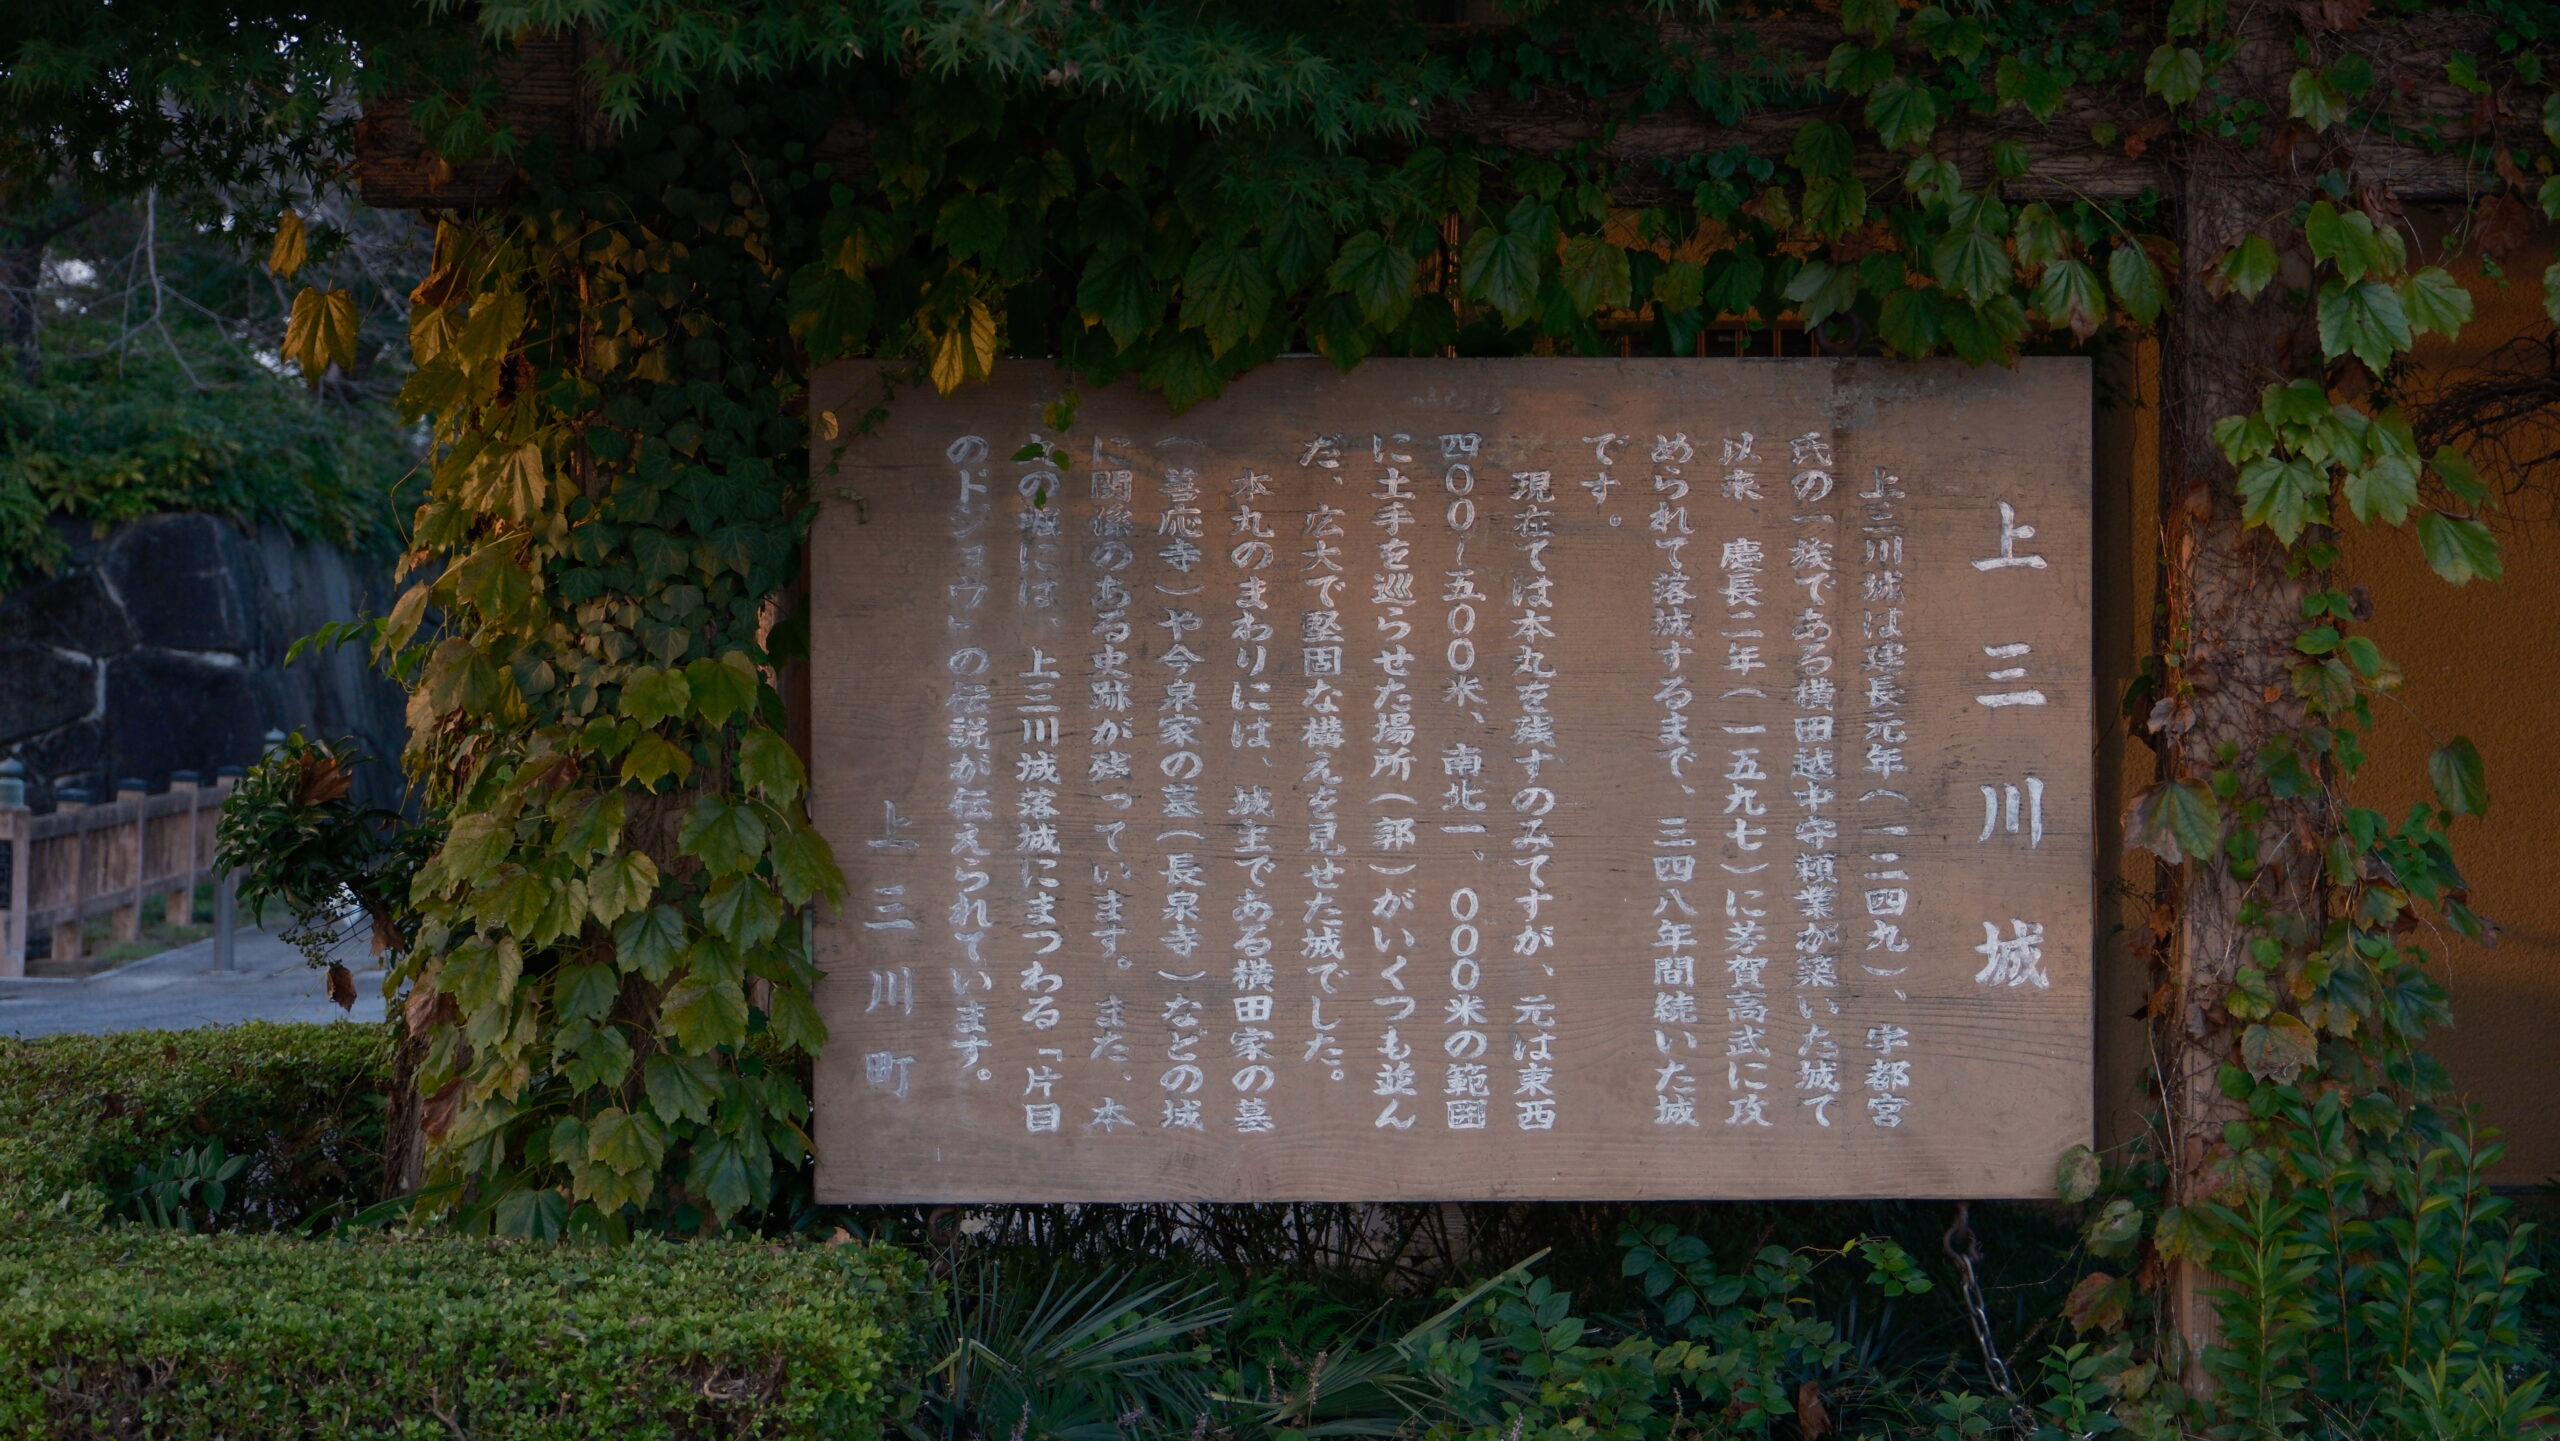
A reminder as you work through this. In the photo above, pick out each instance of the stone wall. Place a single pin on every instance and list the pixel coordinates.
(160, 648)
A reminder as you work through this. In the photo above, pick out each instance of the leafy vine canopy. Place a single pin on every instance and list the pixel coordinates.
(605, 958)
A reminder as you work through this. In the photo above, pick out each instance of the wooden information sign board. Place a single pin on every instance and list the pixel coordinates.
(1458, 779)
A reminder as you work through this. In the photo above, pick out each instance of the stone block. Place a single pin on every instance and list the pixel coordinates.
(70, 612)
(42, 688)
(182, 712)
(180, 589)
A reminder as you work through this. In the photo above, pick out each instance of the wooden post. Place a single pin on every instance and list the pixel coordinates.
(225, 897)
(15, 864)
(66, 934)
(133, 852)
(184, 852)
(2232, 615)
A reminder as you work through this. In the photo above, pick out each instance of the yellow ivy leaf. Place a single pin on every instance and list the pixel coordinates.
(291, 247)
(950, 361)
(321, 331)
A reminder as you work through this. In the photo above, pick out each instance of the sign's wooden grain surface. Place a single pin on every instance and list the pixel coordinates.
(1502, 778)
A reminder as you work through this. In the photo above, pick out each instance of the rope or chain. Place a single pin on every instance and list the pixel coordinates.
(1964, 1248)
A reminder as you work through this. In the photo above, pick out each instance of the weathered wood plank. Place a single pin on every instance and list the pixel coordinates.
(1549, 846)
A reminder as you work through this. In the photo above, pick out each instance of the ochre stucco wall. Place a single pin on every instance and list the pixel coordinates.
(2479, 663)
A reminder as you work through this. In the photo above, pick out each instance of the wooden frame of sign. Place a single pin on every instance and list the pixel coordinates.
(1456, 779)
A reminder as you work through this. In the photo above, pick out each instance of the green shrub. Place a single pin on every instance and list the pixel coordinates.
(130, 1332)
(302, 1103)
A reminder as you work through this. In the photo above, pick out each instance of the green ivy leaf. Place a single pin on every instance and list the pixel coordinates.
(2294, 403)
(2460, 550)
(1873, 19)
(1377, 276)
(1971, 264)
(2243, 438)
(2349, 240)
(2075, 1176)
(1501, 268)
(2068, 294)
(2279, 1049)
(1118, 293)
(703, 1013)
(2435, 302)
(1908, 321)
(2284, 495)
(720, 1174)
(2176, 821)
(1855, 69)
(767, 763)
(596, 1058)
(2039, 236)
(804, 866)
(1681, 285)
(1823, 290)
(2364, 320)
(727, 839)
(720, 688)
(682, 1088)
(1296, 246)
(651, 759)
(1902, 114)
(533, 1213)
(2315, 101)
(2455, 470)
(481, 975)
(2020, 81)
(626, 1141)
(649, 941)
(1595, 274)
(2114, 1229)
(2175, 74)
(794, 1020)
(1226, 295)
(2386, 489)
(743, 910)
(651, 695)
(1832, 206)
(2250, 267)
(1822, 147)
(2136, 282)
(970, 226)
(620, 886)
(584, 991)
(2461, 780)
(1987, 332)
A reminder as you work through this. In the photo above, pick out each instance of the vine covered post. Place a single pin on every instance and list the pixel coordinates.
(2234, 597)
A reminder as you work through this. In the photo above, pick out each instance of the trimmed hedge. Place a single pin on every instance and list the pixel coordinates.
(125, 1332)
(304, 1102)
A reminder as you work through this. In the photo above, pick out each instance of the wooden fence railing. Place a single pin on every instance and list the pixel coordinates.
(111, 859)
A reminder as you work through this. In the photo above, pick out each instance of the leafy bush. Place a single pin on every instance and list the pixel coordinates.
(137, 1332)
(302, 1104)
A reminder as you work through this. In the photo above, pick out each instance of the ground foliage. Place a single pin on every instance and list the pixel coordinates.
(129, 1331)
(614, 369)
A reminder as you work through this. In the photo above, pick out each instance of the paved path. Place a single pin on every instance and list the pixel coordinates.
(179, 989)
